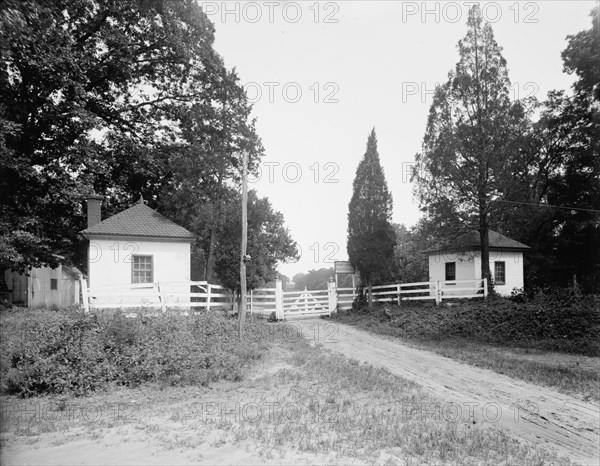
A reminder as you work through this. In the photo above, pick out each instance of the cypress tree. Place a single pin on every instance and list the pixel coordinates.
(371, 238)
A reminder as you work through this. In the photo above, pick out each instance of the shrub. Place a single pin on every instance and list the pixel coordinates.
(557, 320)
(56, 352)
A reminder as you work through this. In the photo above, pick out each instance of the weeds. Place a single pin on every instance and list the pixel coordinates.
(55, 352)
(349, 409)
(300, 400)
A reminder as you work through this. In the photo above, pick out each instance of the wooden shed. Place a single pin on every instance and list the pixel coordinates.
(44, 287)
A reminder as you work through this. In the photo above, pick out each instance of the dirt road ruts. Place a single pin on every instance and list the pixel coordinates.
(525, 411)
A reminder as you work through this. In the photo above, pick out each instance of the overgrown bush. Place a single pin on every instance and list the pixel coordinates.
(558, 320)
(56, 352)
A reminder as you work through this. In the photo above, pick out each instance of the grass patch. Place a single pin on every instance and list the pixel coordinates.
(549, 340)
(357, 410)
(298, 400)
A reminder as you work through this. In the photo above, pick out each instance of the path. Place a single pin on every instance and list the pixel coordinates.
(526, 411)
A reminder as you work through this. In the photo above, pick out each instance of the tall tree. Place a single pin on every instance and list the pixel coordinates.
(371, 237)
(208, 163)
(269, 242)
(582, 56)
(410, 262)
(92, 95)
(555, 209)
(471, 140)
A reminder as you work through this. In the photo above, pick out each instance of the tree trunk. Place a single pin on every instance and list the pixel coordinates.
(210, 260)
(3, 285)
(485, 250)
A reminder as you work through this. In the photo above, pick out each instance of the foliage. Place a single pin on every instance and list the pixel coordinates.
(411, 264)
(319, 279)
(269, 242)
(122, 97)
(313, 279)
(517, 166)
(371, 237)
(208, 166)
(56, 352)
(285, 280)
(564, 240)
(582, 56)
(562, 168)
(548, 319)
(472, 137)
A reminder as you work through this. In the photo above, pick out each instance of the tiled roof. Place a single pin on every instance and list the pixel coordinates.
(139, 220)
(471, 240)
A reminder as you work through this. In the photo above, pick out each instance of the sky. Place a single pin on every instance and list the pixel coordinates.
(321, 75)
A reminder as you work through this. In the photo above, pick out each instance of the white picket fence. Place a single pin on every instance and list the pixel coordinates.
(263, 301)
(346, 297)
(162, 295)
(437, 291)
(285, 304)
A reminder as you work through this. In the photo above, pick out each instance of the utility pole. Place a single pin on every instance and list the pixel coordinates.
(243, 255)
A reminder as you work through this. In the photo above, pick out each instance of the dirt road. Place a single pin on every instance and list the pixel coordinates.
(525, 411)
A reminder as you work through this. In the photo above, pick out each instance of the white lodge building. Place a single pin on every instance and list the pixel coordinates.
(135, 246)
(461, 260)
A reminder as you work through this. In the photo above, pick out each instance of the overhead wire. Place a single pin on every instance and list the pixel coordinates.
(546, 205)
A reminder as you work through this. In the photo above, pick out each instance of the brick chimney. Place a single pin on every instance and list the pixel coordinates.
(94, 205)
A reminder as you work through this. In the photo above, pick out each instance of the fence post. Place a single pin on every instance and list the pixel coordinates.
(305, 299)
(208, 297)
(485, 287)
(234, 302)
(84, 294)
(161, 298)
(278, 300)
(399, 295)
(438, 292)
(332, 297)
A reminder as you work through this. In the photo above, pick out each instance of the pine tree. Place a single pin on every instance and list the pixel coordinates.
(371, 237)
(470, 146)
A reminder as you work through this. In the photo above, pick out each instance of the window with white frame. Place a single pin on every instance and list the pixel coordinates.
(142, 269)
(499, 272)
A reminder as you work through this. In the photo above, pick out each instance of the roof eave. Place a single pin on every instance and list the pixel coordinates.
(478, 248)
(179, 239)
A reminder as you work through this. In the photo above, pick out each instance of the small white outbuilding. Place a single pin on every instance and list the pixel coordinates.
(44, 287)
(461, 260)
(135, 246)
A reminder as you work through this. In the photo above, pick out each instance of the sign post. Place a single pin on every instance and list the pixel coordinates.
(343, 268)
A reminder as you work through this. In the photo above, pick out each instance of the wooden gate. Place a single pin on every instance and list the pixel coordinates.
(307, 303)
